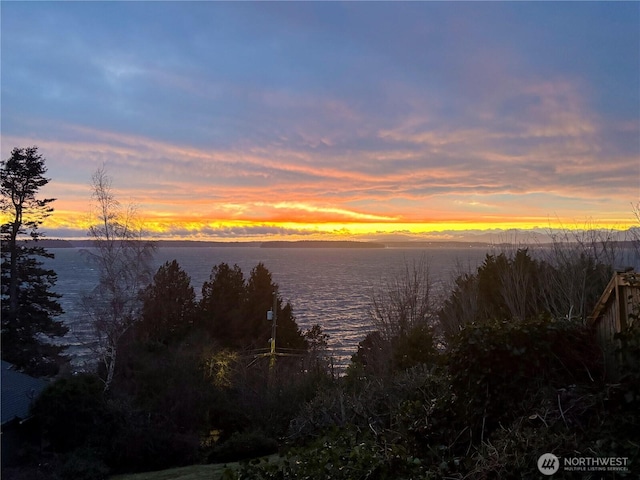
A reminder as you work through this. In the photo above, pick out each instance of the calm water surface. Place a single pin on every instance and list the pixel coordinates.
(331, 287)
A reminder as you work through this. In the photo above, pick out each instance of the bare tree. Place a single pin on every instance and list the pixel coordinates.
(405, 302)
(580, 262)
(123, 259)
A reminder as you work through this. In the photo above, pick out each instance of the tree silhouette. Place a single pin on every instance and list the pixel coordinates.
(259, 299)
(221, 303)
(168, 305)
(28, 304)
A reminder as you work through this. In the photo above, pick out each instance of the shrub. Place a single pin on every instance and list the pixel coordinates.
(415, 348)
(143, 442)
(243, 445)
(496, 366)
(372, 359)
(74, 413)
(340, 454)
(84, 464)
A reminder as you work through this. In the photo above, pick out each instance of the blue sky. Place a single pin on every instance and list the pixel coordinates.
(253, 120)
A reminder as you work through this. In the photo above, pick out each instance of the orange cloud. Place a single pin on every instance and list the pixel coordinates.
(421, 176)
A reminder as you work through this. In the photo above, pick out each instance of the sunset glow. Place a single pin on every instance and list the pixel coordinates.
(369, 121)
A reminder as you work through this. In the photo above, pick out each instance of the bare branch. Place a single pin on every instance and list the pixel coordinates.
(123, 258)
(404, 302)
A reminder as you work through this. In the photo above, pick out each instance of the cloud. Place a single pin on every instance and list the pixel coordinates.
(333, 113)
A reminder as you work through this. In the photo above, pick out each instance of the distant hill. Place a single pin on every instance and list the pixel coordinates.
(49, 243)
(87, 243)
(321, 244)
(52, 243)
(204, 243)
(438, 244)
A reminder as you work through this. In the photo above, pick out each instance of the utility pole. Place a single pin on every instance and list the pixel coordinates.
(273, 316)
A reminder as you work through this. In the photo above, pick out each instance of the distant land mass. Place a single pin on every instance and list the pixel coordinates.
(204, 243)
(57, 243)
(62, 243)
(48, 243)
(87, 243)
(321, 244)
(437, 244)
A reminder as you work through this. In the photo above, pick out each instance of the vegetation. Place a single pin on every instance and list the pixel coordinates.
(184, 390)
(29, 306)
(477, 385)
(216, 471)
(123, 259)
(484, 400)
(417, 401)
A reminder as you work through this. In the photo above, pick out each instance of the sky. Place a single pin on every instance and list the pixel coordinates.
(330, 120)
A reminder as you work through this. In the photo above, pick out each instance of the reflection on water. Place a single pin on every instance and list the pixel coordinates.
(326, 286)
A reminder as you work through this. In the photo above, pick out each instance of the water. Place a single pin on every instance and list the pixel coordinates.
(331, 287)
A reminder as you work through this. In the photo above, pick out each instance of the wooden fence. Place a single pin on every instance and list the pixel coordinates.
(617, 308)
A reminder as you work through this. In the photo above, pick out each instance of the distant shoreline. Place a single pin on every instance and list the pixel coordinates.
(321, 244)
(347, 244)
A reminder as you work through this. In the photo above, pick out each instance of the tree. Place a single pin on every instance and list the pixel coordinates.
(461, 306)
(123, 259)
(372, 357)
(520, 286)
(28, 304)
(506, 287)
(405, 302)
(581, 263)
(168, 305)
(259, 299)
(317, 352)
(221, 303)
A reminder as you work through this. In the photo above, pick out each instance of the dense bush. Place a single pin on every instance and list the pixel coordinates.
(339, 454)
(84, 464)
(379, 357)
(244, 445)
(73, 413)
(496, 367)
(143, 442)
(413, 406)
(415, 348)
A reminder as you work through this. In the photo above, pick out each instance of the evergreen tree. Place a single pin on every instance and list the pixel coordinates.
(221, 303)
(168, 305)
(28, 303)
(234, 311)
(259, 299)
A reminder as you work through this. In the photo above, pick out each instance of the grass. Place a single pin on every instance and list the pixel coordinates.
(194, 472)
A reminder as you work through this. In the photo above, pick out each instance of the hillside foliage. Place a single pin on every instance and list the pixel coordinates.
(420, 400)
